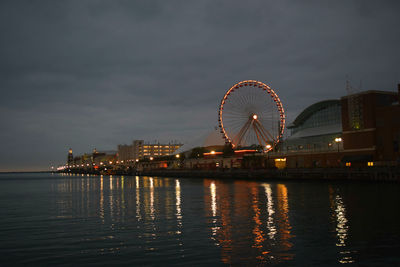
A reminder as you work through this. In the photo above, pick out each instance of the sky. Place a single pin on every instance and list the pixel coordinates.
(95, 74)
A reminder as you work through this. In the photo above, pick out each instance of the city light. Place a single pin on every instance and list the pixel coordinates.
(338, 140)
(213, 152)
(177, 156)
(254, 117)
(151, 158)
(268, 146)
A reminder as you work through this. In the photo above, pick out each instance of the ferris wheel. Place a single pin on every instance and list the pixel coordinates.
(251, 114)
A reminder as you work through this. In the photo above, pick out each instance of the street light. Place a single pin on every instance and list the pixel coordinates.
(338, 140)
(177, 156)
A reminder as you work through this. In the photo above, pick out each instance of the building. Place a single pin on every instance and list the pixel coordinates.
(70, 157)
(139, 149)
(91, 160)
(371, 127)
(315, 129)
(361, 129)
(312, 138)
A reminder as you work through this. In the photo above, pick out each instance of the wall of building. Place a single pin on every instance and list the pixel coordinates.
(371, 122)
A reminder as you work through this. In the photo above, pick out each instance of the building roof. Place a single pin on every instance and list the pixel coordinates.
(311, 110)
(317, 131)
(394, 93)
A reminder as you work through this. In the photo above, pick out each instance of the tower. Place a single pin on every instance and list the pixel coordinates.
(70, 157)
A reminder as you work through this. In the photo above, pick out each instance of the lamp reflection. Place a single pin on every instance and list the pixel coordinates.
(341, 227)
(230, 208)
(152, 215)
(111, 197)
(284, 229)
(101, 200)
(178, 204)
(138, 214)
(270, 210)
(257, 232)
(213, 192)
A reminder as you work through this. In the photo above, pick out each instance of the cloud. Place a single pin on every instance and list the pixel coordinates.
(86, 74)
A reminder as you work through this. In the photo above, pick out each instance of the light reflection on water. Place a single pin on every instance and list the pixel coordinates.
(341, 228)
(266, 209)
(202, 220)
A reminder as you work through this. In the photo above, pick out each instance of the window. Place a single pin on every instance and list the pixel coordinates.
(330, 115)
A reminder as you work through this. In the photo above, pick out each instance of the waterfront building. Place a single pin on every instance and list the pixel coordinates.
(139, 149)
(92, 160)
(371, 127)
(361, 129)
(315, 128)
(70, 157)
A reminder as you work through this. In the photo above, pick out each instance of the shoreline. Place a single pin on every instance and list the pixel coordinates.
(288, 174)
(340, 174)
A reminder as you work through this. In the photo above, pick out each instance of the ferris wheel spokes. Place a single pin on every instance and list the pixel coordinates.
(263, 136)
(238, 138)
(251, 113)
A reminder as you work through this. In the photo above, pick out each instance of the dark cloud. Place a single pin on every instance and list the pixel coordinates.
(86, 74)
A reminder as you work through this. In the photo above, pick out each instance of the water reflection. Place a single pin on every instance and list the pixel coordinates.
(230, 207)
(241, 220)
(213, 192)
(178, 204)
(342, 228)
(101, 199)
(270, 210)
(138, 213)
(284, 227)
(152, 211)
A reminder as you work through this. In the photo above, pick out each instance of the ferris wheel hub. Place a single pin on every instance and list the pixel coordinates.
(254, 117)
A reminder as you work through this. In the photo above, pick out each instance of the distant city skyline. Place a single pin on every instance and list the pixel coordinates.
(95, 74)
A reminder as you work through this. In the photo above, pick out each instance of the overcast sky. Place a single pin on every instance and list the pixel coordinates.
(85, 74)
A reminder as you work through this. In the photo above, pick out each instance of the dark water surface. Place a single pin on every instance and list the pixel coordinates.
(57, 219)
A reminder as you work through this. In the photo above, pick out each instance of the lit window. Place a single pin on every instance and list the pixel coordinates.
(348, 164)
(370, 163)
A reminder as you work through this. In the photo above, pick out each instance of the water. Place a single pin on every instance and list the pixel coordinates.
(57, 219)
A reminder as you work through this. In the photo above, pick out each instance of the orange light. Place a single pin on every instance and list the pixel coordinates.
(212, 153)
(254, 117)
(245, 150)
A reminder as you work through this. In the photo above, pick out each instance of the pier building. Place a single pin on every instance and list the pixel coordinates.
(315, 128)
(139, 149)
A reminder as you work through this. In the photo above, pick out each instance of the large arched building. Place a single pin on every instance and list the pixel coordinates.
(316, 128)
(361, 129)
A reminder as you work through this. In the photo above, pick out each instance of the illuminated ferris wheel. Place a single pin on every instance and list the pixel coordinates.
(251, 114)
